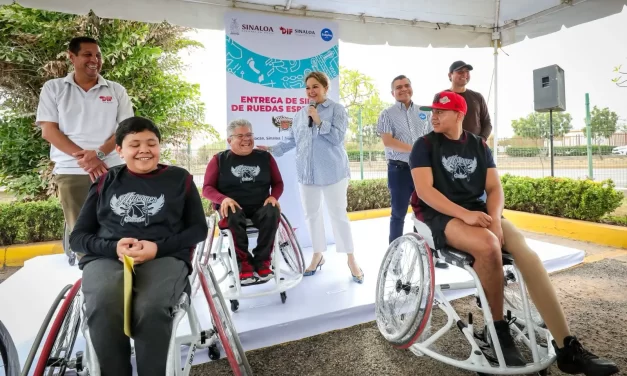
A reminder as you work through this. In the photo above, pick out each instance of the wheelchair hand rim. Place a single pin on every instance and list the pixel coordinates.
(408, 335)
(224, 338)
(54, 329)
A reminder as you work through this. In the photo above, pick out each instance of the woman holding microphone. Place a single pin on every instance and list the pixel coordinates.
(317, 133)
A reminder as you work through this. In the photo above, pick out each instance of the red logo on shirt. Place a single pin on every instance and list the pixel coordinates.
(105, 99)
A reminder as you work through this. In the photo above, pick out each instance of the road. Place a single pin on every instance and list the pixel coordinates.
(618, 175)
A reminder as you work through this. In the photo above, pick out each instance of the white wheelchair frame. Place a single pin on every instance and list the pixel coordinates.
(87, 364)
(430, 292)
(226, 260)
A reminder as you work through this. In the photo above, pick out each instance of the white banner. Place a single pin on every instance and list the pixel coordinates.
(267, 59)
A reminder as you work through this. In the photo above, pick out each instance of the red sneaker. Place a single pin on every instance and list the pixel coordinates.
(246, 275)
(264, 272)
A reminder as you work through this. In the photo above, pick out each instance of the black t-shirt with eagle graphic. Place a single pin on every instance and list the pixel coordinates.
(459, 168)
(247, 179)
(162, 206)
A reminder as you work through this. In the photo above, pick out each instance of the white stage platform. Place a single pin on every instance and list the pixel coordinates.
(329, 300)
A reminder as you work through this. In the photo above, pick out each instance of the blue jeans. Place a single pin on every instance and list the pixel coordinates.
(401, 186)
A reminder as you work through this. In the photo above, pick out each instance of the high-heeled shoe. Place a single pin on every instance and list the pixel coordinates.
(308, 273)
(357, 278)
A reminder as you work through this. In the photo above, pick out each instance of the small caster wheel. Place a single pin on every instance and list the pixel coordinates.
(283, 297)
(72, 259)
(214, 352)
(478, 301)
(234, 305)
(544, 372)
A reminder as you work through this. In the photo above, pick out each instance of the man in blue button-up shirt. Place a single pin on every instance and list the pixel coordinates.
(400, 125)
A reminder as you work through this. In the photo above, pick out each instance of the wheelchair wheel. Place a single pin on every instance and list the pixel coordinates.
(513, 298)
(66, 246)
(9, 360)
(405, 290)
(221, 319)
(56, 353)
(290, 248)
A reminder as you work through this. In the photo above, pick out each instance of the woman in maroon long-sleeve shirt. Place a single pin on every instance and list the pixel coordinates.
(246, 183)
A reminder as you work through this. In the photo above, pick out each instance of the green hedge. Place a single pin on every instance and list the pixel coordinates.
(559, 151)
(30, 222)
(559, 197)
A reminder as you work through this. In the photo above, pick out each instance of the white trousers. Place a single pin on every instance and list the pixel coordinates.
(336, 203)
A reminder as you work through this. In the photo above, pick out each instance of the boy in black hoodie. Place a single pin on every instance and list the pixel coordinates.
(149, 212)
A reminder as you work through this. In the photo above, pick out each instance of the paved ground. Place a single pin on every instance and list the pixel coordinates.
(592, 295)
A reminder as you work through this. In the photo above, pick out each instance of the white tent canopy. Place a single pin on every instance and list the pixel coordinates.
(415, 23)
(410, 23)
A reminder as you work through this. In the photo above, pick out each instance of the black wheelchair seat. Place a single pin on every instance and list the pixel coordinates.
(460, 259)
(250, 228)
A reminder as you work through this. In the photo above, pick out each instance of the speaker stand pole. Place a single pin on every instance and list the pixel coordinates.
(551, 141)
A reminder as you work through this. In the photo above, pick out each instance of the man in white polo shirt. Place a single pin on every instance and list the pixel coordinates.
(78, 115)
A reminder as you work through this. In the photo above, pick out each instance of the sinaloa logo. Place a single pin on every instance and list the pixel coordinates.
(326, 34)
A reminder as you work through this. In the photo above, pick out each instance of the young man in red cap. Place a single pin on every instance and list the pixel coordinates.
(451, 169)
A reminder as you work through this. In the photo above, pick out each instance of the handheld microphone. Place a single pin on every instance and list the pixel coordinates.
(314, 104)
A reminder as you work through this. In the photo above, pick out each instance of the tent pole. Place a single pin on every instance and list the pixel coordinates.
(495, 127)
(496, 41)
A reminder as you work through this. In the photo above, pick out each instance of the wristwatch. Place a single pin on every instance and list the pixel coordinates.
(100, 154)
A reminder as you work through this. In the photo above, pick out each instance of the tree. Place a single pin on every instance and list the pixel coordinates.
(355, 87)
(142, 57)
(370, 110)
(602, 123)
(357, 92)
(536, 125)
(620, 81)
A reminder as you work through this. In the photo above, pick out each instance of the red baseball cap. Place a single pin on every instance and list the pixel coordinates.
(447, 100)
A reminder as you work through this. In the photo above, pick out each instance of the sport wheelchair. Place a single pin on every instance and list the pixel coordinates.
(57, 354)
(407, 290)
(288, 269)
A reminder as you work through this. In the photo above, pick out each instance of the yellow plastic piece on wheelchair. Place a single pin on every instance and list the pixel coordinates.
(128, 293)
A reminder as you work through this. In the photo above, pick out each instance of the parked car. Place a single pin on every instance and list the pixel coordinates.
(620, 150)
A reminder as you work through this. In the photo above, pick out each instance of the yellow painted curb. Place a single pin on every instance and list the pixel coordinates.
(598, 233)
(15, 255)
(604, 255)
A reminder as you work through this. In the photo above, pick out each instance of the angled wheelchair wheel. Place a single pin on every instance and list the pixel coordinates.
(405, 290)
(208, 245)
(55, 357)
(9, 360)
(513, 301)
(221, 319)
(290, 248)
